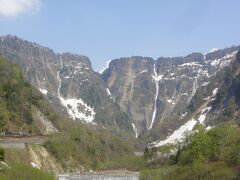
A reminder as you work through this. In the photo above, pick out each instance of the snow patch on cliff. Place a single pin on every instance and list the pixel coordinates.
(135, 130)
(203, 115)
(178, 135)
(222, 62)
(170, 101)
(213, 50)
(215, 91)
(34, 165)
(43, 91)
(191, 64)
(205, 84)
(105, 67)
(77, 109)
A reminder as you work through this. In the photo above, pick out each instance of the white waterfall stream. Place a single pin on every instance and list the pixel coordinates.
(59, 79)
(156, 79)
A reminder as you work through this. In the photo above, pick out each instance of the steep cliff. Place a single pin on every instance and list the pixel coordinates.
(157, 94)
(68, 81)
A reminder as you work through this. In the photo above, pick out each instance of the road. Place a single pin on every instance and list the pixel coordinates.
(20, 141)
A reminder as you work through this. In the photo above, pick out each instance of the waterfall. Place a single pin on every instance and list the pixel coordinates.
(156, 79)
(59, 79)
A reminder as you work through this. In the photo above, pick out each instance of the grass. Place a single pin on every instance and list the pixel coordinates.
(156, 174)
(24, 172)
(19, 156)
(79, 146)
(130, 162)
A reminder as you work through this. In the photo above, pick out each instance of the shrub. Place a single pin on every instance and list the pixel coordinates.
(23, 172)
(2, 154)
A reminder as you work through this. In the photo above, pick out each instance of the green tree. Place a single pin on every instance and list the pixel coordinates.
(200, 141)
(2, 154)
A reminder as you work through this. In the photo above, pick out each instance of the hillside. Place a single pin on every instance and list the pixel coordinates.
(207, 146)
(68, 146)
(23, 108)
(205, 154)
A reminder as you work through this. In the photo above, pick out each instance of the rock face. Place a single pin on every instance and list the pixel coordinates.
(157, 94)
(131, 85)
(68, 81)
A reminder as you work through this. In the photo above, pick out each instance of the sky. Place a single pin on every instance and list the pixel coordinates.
(109, 29)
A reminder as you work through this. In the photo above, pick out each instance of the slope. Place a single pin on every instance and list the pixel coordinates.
(68, 82)
(21, 104)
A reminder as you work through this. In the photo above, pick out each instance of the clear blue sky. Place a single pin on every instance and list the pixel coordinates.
(107, 29)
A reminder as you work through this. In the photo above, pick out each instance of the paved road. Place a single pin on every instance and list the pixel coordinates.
(19, 142)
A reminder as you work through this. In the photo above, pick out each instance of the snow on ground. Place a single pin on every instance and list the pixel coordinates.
(34, 165)
(205, 83)
(77, 109)
(170, 101)
(170, 78)
(178, 135)
(43, 91)
(215, 91)
(78, 66)
(183, 115)
(202, 72)
(222, 62)
(5, 164)
(105, 67)
(84, 80)
(209, 127)
(204, 112)
(213, 50)
(66, 77)
(215, 62)
(191, 64)
(143, 71)
(108, 92)
(157, 78)
(135, 130)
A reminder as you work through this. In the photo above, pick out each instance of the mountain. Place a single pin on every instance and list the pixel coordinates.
(67, 81)
(186, 109)
(157, 94)
(214, 104)
(157, 100)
